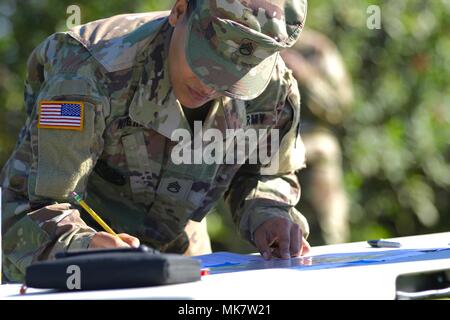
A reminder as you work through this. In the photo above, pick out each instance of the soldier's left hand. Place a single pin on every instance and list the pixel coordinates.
(281, 238)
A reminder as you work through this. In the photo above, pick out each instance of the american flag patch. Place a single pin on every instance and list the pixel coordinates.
(66, 115)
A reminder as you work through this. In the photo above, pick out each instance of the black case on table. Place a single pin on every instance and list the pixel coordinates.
(112, 269)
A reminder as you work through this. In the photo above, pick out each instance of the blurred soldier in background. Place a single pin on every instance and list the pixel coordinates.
(327, 95)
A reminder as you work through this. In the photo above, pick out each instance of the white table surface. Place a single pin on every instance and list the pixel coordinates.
(358, 282)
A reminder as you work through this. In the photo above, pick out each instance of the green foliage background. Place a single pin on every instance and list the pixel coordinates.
(396, 140)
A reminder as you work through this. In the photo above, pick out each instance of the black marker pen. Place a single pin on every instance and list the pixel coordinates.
(383, 244)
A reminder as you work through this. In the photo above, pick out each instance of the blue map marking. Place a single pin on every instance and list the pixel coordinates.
(224, 262)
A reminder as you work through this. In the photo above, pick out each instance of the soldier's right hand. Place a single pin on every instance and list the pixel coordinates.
(104, 240)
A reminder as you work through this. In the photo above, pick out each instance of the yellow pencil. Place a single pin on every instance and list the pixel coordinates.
(93, 214)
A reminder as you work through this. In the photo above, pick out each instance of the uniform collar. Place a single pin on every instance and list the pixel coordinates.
(155, 106)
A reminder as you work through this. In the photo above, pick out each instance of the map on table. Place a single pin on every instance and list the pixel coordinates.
(224, 262)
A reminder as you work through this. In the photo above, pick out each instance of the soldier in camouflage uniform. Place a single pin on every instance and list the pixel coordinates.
(133, 79)
(327, 94)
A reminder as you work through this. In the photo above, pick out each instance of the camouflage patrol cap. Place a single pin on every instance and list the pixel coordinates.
(233, 45)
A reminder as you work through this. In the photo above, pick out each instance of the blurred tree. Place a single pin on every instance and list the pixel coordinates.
(396, 141)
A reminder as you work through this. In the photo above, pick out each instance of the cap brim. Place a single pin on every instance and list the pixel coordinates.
(222, 74)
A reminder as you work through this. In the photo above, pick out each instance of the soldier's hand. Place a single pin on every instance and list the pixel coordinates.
(281, 238)
(104, 240)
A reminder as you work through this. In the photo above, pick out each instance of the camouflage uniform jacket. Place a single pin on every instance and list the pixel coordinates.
(120, 161)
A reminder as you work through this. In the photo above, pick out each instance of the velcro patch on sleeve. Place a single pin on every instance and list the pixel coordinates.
(64, 115)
